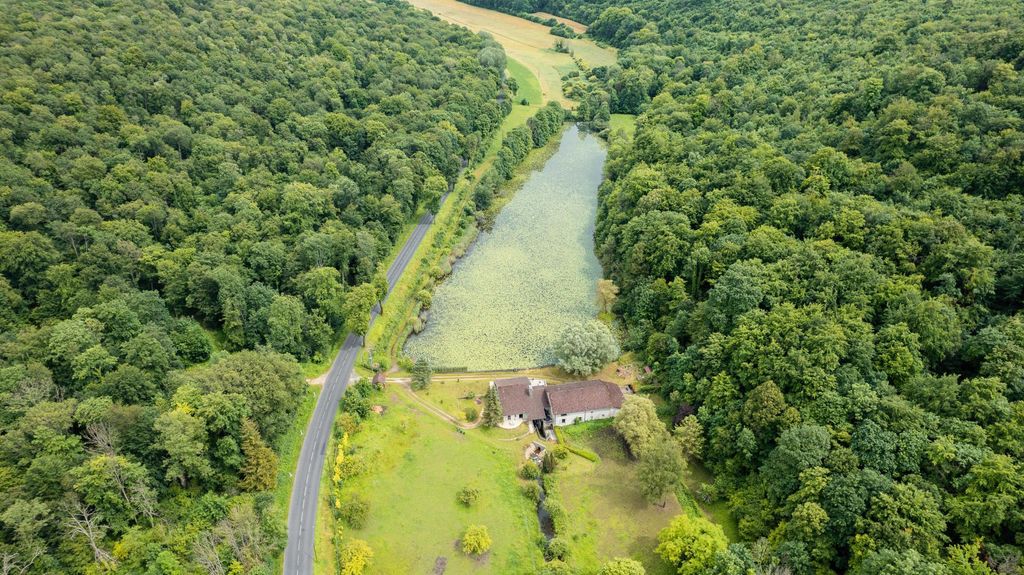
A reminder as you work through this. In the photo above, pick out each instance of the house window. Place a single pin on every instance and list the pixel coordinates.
(563, 420)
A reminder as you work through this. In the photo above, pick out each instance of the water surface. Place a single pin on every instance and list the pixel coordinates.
(534, 273)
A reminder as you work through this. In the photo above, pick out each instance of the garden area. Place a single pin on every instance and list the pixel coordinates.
(412, 470)
(607, 516)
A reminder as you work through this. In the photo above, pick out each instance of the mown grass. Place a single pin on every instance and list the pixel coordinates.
(624, 122)
(451, 396)
(419, 464)
(607, 515)
(529, 86)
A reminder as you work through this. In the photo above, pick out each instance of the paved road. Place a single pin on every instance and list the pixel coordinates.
(298, 555)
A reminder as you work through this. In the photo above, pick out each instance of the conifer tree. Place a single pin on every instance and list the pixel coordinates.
(259, 472)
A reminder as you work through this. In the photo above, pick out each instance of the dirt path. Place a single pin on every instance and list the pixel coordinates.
(528, 42)
(403, 383)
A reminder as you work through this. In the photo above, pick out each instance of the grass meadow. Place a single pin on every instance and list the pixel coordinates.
(608, 516)
(419, 464)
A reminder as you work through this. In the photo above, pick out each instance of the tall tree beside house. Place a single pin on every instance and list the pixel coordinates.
(259, 472)
(492, 408)
(421, 374)
(638, 424)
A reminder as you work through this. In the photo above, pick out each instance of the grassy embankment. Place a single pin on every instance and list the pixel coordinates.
(288, 448)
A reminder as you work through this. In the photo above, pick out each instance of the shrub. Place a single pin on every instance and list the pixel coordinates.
(354, 511)
(355, 557)
(557, 568)
(471, 413)
(476, 540)
(622, 566)
(549, 463)
(529, 470)
(558, 548)
(347, 423)
(532, 491)
(468, 495)
(561, 452)
(556, 510)
(352, 466)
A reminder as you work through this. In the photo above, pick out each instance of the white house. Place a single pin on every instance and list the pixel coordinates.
(523, 399)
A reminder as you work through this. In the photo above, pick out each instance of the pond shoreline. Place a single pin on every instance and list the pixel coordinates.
(547, 238)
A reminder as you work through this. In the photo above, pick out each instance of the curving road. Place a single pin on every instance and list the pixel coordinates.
(298, 555)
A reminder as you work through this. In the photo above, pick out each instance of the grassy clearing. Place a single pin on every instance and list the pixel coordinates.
(529, 87)
(717, 511)
(624, 122)
(608, 517)
(420, 462)
(451, 396)
(534, 273)
(527, 42)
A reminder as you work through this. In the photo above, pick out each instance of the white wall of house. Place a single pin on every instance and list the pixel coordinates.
(511, 421)
(581, 416)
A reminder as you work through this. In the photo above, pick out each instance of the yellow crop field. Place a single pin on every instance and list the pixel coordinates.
(528, 42)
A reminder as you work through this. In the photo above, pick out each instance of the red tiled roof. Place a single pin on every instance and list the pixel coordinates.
(583, 396)
(517, 396)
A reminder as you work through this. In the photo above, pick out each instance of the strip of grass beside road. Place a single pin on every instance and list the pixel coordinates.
(288, 448)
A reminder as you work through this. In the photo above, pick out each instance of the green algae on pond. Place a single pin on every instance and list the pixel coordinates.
(534, 273)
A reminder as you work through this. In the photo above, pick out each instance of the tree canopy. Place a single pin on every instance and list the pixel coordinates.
(194, 196)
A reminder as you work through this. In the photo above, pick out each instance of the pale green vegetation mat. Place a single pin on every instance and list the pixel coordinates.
(529, 277)
(419, 464)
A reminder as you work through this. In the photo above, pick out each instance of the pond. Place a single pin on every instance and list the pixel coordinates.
(534, 273)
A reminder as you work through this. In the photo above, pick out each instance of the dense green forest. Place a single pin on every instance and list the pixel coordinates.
(188, 190)
(817, 233)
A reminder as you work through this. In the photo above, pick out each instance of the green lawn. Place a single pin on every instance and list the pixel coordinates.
(420, 462)
(624, 122)
(529, 86)
(717, 511)
(450, 395)
(608, 515)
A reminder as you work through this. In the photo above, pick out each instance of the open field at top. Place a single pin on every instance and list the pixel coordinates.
(419, 464)
(527, 42)
(533, 274)
(608, 516)
(576, 26)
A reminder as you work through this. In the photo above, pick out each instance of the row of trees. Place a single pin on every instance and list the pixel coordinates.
(193, 196)
(514, 148)
(814, 232)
